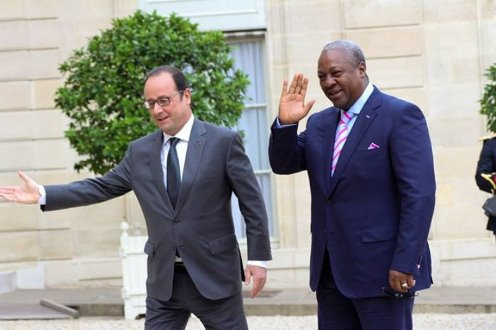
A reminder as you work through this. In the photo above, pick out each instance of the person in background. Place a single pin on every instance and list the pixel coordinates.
(485, 174)
(183, 176)
(370, 167)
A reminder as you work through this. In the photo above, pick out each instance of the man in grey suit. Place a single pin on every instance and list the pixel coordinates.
(194, 263)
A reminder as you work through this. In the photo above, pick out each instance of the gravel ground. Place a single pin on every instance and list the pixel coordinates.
(421, 322)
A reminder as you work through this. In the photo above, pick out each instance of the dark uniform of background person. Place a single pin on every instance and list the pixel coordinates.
(183, 175)
(486, 173)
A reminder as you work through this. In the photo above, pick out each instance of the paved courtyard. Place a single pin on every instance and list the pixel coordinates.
(424, 321)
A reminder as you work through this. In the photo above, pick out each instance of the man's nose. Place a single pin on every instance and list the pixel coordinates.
(156, 108)
(329, 81)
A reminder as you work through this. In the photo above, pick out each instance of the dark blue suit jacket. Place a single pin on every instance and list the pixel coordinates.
(374, 214)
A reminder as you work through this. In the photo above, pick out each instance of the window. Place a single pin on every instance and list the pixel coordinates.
(249, 56)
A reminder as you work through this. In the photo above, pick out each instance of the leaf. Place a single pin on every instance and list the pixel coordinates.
(102, 93)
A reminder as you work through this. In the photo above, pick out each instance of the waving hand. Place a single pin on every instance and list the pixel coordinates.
(292, 107)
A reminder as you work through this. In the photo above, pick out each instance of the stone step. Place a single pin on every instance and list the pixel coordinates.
(29, 311)
(8, 281)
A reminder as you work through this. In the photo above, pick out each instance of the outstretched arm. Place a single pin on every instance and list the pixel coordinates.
(26, 193)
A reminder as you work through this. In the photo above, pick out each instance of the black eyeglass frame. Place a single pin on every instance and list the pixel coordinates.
(162, 101)
(398, 295)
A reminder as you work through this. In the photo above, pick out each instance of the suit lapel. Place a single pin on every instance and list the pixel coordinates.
(362, 123)
(155, 164)
(194, 153)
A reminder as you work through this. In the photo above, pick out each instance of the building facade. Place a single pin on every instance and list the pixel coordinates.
(433, 53)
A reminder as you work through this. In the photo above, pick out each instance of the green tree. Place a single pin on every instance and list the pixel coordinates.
(488, 101)
(103, 89)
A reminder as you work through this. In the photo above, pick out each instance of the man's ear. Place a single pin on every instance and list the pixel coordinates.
(363, 69)
(187, 95)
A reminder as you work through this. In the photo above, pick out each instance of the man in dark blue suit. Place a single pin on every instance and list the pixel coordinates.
(370, 167)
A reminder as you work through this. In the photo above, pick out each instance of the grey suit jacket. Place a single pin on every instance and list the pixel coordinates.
(201, 227)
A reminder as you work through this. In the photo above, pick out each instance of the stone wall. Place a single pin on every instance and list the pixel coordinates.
(74, 247)
(432, 53)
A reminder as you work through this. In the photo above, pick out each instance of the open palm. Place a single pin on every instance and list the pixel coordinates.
(292, 107)
(26, 193)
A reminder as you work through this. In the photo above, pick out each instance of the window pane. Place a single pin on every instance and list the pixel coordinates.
(249, 57)
(253, 125)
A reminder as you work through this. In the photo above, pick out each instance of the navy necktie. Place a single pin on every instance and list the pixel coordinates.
(173, 172)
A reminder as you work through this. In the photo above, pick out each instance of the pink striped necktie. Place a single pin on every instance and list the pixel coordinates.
(341, 135)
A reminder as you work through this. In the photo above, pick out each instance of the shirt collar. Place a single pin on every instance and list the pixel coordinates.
(184, 133)
(358, 105)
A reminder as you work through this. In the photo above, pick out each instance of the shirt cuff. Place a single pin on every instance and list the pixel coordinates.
(278, 124)
(42, 199)
(258, 263)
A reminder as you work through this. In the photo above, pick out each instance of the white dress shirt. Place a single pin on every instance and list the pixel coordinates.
(181, 148)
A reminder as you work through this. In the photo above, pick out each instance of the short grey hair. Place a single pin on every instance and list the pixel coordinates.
(353, 51)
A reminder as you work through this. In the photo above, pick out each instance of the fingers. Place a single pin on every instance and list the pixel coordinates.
(259, 275)
(247, 276)
(410, 281)
(303, 86)
(4, 192)
(294, 84)
(9, 193)
(406, 283)
(298, 85)
(292, 106)
(27, 179)
(23, 176)
(284, 88)
(26, 193)
(258, 286)
(400, 282)
(309, 106)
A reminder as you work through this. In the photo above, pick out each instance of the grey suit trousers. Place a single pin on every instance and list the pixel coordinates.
(221, 314)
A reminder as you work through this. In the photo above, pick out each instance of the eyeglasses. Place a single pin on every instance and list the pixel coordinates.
(162, 101)
(393, 294)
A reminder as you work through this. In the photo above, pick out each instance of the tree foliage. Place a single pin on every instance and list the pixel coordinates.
(103, 89)
(488, 101)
